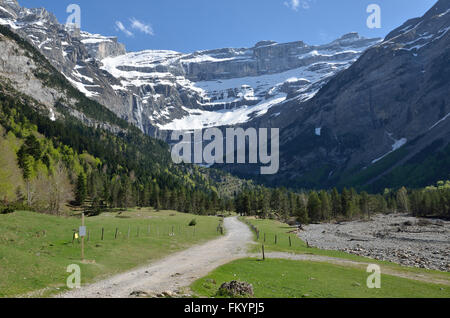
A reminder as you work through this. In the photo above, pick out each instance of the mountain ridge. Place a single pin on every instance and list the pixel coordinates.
(169, 88)
(393, 99)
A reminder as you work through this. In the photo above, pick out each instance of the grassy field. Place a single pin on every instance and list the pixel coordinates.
(35, 249)
(292, 279)
(272, 228)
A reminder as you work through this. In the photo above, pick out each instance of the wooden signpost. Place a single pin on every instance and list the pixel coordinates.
(82, 233)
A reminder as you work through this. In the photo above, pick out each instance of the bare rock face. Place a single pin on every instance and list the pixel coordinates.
(164, 90)
(341, 107)
(236, 289)
(101, 47)
(394, 98)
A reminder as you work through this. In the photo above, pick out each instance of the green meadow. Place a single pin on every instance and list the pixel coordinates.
(275, 278)
(35, 249)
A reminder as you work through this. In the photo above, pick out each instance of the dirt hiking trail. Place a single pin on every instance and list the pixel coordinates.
(180, 270)
(175, 271)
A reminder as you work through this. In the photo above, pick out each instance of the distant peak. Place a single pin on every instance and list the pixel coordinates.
(351, 36)
(10, 6)
(265, 43)
(10, 3)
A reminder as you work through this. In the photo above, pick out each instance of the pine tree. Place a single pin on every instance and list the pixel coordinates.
(346, 203)
(314, 207)
(325, 205)
(336, 202)
(301, 212)
(364, 204)
(81, 189)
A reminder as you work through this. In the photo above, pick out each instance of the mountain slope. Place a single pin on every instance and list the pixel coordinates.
(165, 90)
(229, 86)
(36, 99)
(390, 109)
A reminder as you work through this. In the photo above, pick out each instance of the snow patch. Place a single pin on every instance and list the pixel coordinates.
(397, 145)
(440, 121)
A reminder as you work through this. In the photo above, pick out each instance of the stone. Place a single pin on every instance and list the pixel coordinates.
(139, 293)
(236, 289)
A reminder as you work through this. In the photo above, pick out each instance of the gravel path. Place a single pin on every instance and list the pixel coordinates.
(397, 238)
(171, 275)
(175, 271)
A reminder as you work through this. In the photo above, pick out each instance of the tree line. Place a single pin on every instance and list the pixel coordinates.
(66, 161)
(316, 206)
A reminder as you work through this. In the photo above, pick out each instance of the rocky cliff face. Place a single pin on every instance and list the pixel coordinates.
(390, 109)
(354, 108)
(74, 53)
(163, 90)
(228, 86)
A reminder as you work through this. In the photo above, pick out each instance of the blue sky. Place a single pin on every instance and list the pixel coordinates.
(190, 25)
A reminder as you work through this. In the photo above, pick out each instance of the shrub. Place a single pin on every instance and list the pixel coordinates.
(6, 209)
(193, 222)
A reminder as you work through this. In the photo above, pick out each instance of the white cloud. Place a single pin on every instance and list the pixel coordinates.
(140, 26)
(298, 4)
(293, 4)
(121, 27)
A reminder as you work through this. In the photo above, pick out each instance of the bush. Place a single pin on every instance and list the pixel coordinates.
(193, 222)
(6, 209)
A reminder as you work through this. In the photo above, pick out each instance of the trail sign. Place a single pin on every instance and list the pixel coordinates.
(82, 231)
(82, 234)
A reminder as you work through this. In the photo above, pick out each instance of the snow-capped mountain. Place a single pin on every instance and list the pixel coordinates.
(379, 122)
(230, 86)
(352, 112)
(166, 90)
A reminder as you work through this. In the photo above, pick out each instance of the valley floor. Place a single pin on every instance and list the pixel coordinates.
(172, 276)
(397, 238)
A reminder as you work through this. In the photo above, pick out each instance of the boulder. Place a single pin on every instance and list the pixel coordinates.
(236, 289)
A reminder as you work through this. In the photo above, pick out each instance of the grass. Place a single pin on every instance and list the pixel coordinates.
(293, 279)
(31, 261)
(281, 230)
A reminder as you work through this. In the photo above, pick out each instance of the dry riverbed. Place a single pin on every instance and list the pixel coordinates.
(398, 238)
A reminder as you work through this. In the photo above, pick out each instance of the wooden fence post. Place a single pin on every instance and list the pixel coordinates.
(290, 242)
(129, 229)
(103, 233)
(264, 255)
(115, 235)
(276, 239)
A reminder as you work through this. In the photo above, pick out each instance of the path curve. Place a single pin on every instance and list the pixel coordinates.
(181, 269)
(423, 277)
(175, 271)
